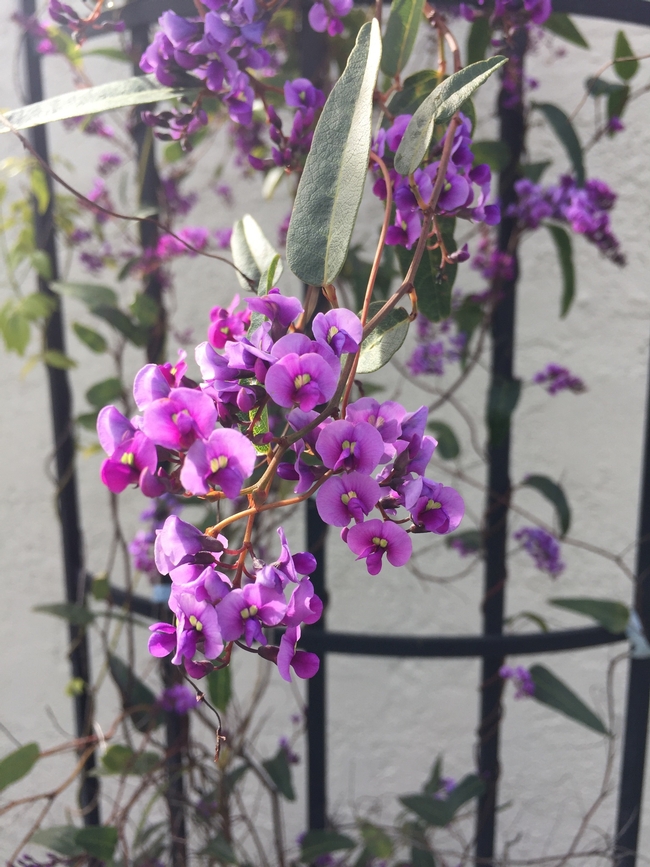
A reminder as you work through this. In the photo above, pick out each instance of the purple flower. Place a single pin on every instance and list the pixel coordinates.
(439, 509)
(276, 307)
(198, 628)
(374, 538)
(305, 664)
(301, 93)
(225, 459)
(342, 499)
(327, 17)
(345, 445)
(305, 381)
(288, 568)
(304, 606)
(340, 329)
(177, 699)
(556, 378)
(131, 454)
(179, 542)
(176, 421)
(543, 548)
(244, 612)
(226, 324)
(522, 679)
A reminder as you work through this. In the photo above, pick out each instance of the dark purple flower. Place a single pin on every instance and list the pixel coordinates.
(305, 664)
(244, 612)
(556, 378)
(374, 538)
(521, 678)
(543, 548)
(340, 329)
(176, 421)
(179, 542)
(349, 497)
(439, 509)
(226, 324)
(288, 568)
(345, 445)
(197, 628)
(304, 381)
(225, 459)
(177, 699)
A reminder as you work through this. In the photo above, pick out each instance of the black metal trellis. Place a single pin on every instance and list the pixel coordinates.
(492, 646)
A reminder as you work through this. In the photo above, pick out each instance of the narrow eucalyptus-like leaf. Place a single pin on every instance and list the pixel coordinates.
(562, 241)
(252, 252)
(614, 616)
(471, 541)
(625, 69)
(221, 849)
(551, 691)
(414, 91)
(279, 770)
(121, 759)
(377, 842)
(140, 90)
(91, 294)
(60, 838)
(74, 613)
(331, 186)
(384, 340)
(468, 788)
(431, 810)
(495, 153)
(315, 843)
(502, 400)
(135, 694)
(478, 39)
(448, 447)
(555, 495)
(219, 688)
(102, 393)
(562, 25)
(564, 130)
(99, 841)
(432, 284)
(399, 38)
(92, 339)
(18, 764)
(440, 106)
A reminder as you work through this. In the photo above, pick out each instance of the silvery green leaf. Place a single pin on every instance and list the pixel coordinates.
(399, 38)
(252, 252)
(384, 340)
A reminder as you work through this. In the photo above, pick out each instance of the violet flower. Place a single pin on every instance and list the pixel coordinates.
(225, 459)
(342, 499)
(543, 548)
(175, 422)
(374, 538)
(439, 509)
(345, 445)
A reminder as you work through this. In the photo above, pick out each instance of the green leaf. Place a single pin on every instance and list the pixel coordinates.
(384, 340)
(140, 90)
(399, 38)
(61, 838)
(41, 263)
(432, 810)
(145, 309)
(88, 420)
(92, 339)
(600, 87)
(134, 694)
(121, 759)
(616, 102)
(551, 691)
(440, 106)
(316, 843)
(41, 190)
(422, 857)
(37, 306)
(279, 770)
(448, 447)
(534, 171)
(614, 616)
(331, 186)
(433, 285)
(97, 841)
(468, 788)
(220, 849)
(102, 393)
(54, 358)
(110, 53)
(502, 400)
(377, 842)
(415, 90)
(16, 332)
(74, 613)
(495, 153)
(472, 540)
(528, 615)
(564, 249)
(478, 39)
(562, 25)
(625, 69)
(566, 134)
(219, 687)
(271, 181)
(18, 764)
(555, 495)
(252, 252)
(91, 295)
(270, 275)
(433, 783)
(121, 322)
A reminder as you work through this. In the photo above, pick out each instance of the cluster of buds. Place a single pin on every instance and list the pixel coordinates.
(212, 439)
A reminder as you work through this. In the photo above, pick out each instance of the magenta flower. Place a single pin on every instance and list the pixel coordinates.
(521, 678)
(175, 422)
(304, 381)
(374, 538)
(226, 324)
(439, 509)
(288, 568)
(129, 463)
(342, 499)
(327, 17)
(304, 606)
(224, 460)
(305, 664)
(276, 307)
(340, 329)
(348, 446)
(197, 628)
(178, 543)
(245, 611)
(113, 429)
(177, 699)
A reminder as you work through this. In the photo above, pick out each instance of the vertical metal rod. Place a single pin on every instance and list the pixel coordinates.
(502, 325)
(148, 179)
(64, 446)
(316, 686)
(630, 796)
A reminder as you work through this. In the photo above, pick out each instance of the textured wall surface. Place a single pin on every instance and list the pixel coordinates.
(388, 719)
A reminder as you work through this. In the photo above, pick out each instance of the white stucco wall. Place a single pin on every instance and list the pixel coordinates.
(388, 719)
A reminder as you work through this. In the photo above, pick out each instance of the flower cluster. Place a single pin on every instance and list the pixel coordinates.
(205, 439)
(521, 678)
(326, 17)
(436, 345)
(142, 544)
(556, 378)
(586, 210)
(458, 197)
(543, 548)
(218, 50)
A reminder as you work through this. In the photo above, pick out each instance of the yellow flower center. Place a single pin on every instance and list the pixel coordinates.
(128, 458)
(349, 445)
(333, 330)
(218, 463)
(302, 379)
(196, 623)
(431, 504)
(377, 540)
(249, 612)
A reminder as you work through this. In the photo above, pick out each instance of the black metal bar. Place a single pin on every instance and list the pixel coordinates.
(502, 327)
(64, 447)
(638, 690)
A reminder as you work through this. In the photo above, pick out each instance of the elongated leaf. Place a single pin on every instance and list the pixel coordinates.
(550, 690)
(468, 788)
(97, 841)
(502, 400)
(92, 339)
(555, 495)
(470, 540)
(415, 90)
(614, 616)
(134, 694)
(270, 275)
(61, 838)
(432, 810)
(432, 285)
(140, 90)
(564, 249)
(121, 322)
(448, 447)
(563, 26)
(105, 392)
(252, 252)
(601, 87)
(18, 764)
(54, 358)
(221, 849)
(377, 842)
(317, 843)
(91, 295)
(331, 186)
(616, 102)
(219, 687)
(279, 770)
(495, 153)
(478, 39)
(76, 614)
(625, 69)
(399, 38)
(563, 129)
(439, 106)
(384, 340)
(121, 759)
